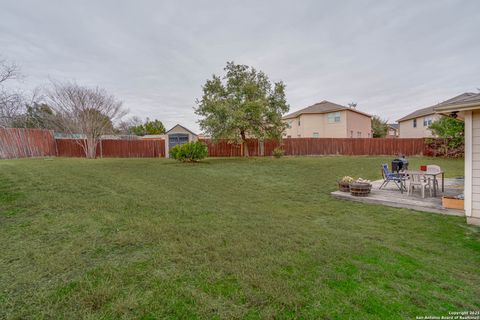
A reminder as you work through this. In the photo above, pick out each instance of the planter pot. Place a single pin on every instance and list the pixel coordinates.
(360, 189)
(344, 186)
(453, 203)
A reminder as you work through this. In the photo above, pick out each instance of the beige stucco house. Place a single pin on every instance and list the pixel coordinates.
(417, 123)
(469, 109)
(328, 120)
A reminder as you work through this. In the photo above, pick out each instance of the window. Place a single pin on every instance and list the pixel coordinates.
(299, 136)
(289, 136)
(368, 134)
(414, 123)
(351, 133)
(359, 134)
(316, 135)
(290, 123)
(333, 117)
(427, 121)
(298, 122)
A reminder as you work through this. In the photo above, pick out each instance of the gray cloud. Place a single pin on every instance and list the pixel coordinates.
(389, 56)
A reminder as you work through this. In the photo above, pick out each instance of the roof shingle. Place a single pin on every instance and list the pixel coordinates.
(322, 107)
(431, 110)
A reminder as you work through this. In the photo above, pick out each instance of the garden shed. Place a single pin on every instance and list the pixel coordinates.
(178, 134)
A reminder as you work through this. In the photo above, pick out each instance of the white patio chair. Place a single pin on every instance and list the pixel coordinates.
(418, 180)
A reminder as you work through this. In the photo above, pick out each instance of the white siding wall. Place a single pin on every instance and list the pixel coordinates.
(474, 168)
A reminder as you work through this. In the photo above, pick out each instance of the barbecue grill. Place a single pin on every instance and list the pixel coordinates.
(399, 164)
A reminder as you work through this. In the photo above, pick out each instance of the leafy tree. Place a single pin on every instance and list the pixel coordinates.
(154, 127)
(243, 103)
(138, 130)
(379, 127)
(38, 115)
(449, 129)
(123, 127)
(149, 127)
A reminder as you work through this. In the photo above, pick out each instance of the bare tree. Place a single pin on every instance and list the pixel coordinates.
(124, 127)
(8, 71)
(89, 112)
(11, 103)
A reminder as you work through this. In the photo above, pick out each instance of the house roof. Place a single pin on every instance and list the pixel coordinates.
(431, 110)
(393, 125)
(470, 102)
(179, 125)
(322, 107)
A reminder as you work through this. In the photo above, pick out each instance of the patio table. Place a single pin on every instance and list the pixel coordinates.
(430, 174)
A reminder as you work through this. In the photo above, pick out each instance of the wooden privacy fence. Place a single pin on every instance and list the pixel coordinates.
(114, 148)
(25, 143)
(321, 146)
(20, 143)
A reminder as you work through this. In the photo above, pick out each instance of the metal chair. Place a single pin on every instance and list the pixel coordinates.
(388, 176)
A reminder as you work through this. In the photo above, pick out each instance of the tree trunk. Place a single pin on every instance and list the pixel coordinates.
(91, 148)
(245, 145)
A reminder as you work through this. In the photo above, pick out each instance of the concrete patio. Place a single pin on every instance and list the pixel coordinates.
(391, 196)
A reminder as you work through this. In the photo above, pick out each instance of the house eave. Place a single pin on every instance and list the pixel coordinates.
(458, 107)
(414, 117)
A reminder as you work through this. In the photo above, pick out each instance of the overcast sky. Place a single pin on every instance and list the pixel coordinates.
(391, 57)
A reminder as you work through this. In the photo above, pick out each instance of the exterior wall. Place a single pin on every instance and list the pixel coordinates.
(358, 123)
(392, 133)
(472, 166)
(406, 129)
(293, 129)
(318, 123)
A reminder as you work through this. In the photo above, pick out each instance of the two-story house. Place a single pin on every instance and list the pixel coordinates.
(328, 120)
(417, 123)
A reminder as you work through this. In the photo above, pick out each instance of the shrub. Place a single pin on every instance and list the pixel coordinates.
(189, 152)
(451, 139)
(278, 152)
(437, 147)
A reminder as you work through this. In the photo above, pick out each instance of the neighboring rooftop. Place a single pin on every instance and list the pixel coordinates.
(322, 107)
(431, 110)
(393, 125)
(184, 128)
(468, 101)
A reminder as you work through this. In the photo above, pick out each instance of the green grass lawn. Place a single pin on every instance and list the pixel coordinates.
(226, 238)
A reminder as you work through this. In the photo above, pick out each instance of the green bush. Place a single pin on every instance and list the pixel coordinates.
(278, 152)
(189, 152)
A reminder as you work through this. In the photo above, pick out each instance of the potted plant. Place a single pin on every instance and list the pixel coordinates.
(344, 184)
(360, 187)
